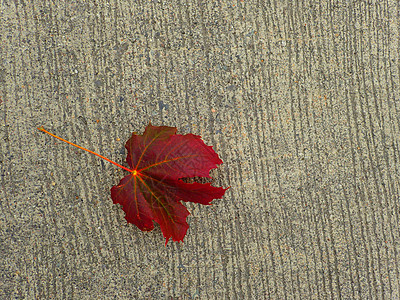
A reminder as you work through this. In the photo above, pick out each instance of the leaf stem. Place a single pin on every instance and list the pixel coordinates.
(61, 139)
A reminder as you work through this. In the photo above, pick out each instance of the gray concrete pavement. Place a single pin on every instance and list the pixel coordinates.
(299, 98)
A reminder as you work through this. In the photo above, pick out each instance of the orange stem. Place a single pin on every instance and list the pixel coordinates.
(61, 139)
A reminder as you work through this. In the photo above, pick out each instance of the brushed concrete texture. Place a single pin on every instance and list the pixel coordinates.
(299, 98)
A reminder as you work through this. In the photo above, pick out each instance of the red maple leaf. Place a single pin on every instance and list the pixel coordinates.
(159, 160)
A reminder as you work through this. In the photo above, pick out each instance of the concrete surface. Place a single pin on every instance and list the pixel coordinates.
(299, 98)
